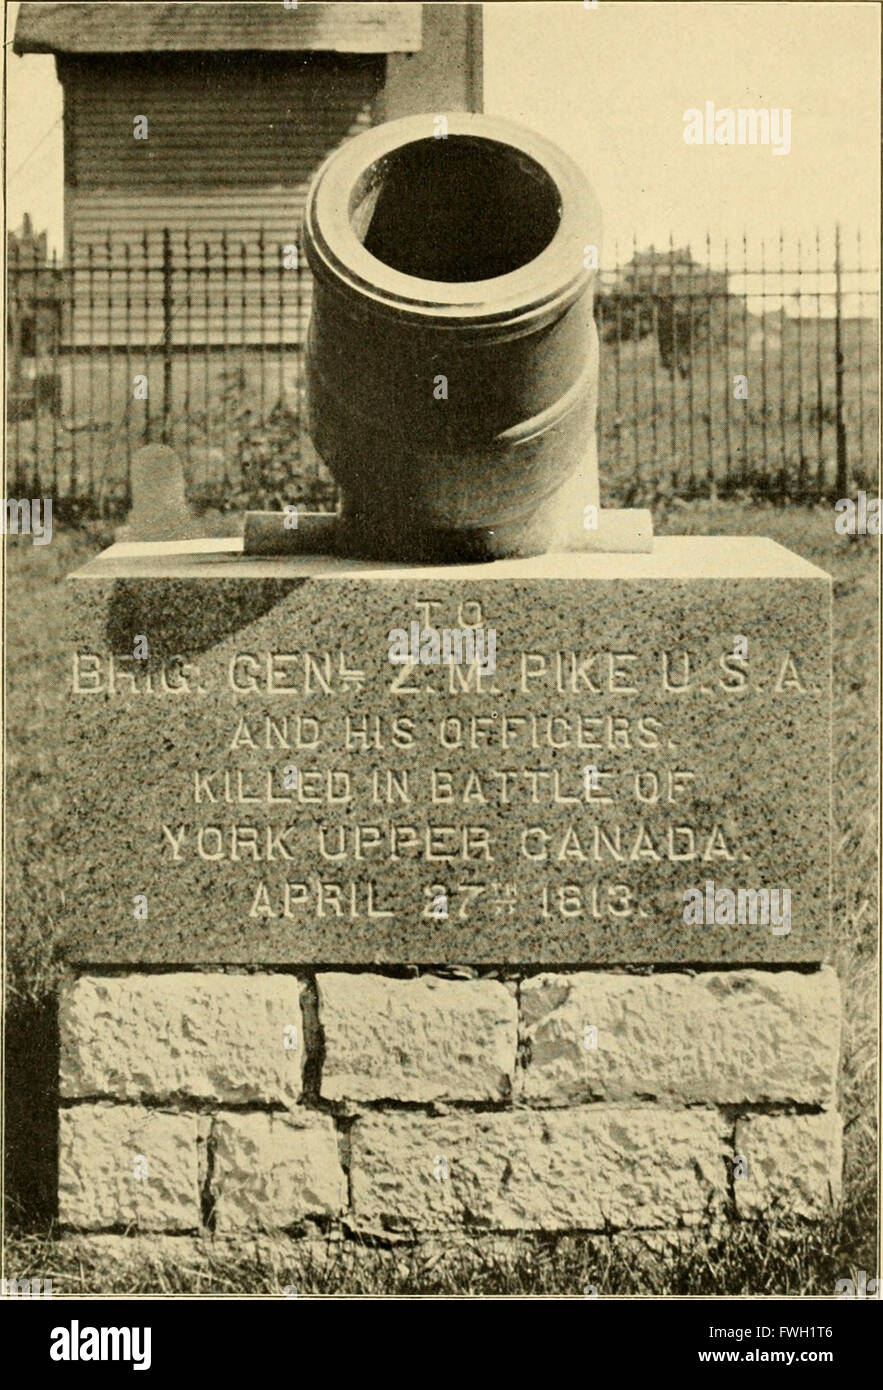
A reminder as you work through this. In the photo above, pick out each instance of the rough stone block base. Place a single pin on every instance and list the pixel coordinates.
(224, 1104)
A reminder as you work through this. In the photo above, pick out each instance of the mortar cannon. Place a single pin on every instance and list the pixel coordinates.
(452, 357)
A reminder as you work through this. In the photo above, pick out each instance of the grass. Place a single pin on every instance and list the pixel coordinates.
(754, 1258)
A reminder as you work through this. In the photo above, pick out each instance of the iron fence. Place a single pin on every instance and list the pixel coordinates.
(742, 370)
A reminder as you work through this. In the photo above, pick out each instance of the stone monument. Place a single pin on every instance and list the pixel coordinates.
(159, 511)
(425, 877)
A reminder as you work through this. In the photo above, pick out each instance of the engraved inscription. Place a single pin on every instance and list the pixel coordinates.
(553, 789)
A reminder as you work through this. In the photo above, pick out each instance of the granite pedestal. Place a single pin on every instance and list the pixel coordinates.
(577, 897)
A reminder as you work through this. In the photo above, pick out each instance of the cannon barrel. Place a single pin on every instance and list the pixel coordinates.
(452, 356)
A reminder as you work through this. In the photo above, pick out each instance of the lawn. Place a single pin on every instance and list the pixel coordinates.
(753, 1259)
